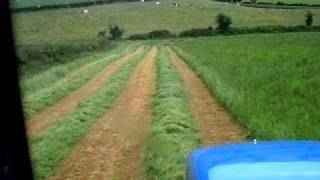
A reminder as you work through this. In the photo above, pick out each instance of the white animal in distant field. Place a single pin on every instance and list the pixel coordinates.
(142, 0)
(86, 11)
(157, 2)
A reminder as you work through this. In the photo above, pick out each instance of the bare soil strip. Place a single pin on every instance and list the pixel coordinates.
(113, 148)
(217, 126)
(39, 123)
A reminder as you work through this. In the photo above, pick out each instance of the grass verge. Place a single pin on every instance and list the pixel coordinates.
(269, 82)
(45, 89)
(174, 134)
(49, 149)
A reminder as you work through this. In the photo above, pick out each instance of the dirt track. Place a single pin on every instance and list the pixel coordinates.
(112, 149)
(39, 123)
(217, 126)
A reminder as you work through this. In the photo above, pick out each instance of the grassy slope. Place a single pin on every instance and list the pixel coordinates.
(49, 149)
(174, 133)
(270, 82)
(58, 26)
(46, 88)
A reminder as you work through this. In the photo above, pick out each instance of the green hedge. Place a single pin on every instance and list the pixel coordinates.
(38, 52)
(157, 34)
(280, 5)
(196, 32)
(274, 29)
(209, 31)
(31, 55)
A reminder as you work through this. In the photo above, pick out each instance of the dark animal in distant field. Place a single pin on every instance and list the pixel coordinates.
(175, 4)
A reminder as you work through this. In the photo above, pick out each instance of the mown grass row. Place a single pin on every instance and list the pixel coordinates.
(269, 82)
(45, 89)
(174, 134)
(49, 149)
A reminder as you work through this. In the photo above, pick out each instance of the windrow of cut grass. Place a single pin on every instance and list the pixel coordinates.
(44, 89)
(269, 82)
(50, 148)
(174, 133)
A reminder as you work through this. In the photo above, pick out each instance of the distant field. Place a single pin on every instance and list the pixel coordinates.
(292, 1)
(270, 82)
(59, 26)
(35, 3)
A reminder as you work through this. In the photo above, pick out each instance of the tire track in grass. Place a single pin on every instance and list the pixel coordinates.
(50, 148)
(217, 126)
(113, 147)
(41, 122)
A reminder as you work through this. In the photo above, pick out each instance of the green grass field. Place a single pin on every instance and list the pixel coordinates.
(59, 26)
(292, 1)
(269, 82)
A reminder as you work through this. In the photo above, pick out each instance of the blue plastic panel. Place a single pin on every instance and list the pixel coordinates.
(277, 160)
(266, 171)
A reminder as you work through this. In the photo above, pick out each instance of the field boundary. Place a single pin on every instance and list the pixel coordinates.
(281, 6)
(210, 31)
(270, 5)
(61, 52)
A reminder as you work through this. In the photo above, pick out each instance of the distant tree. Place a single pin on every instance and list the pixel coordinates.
(115, 32)
(309, 19)
(223, 22)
